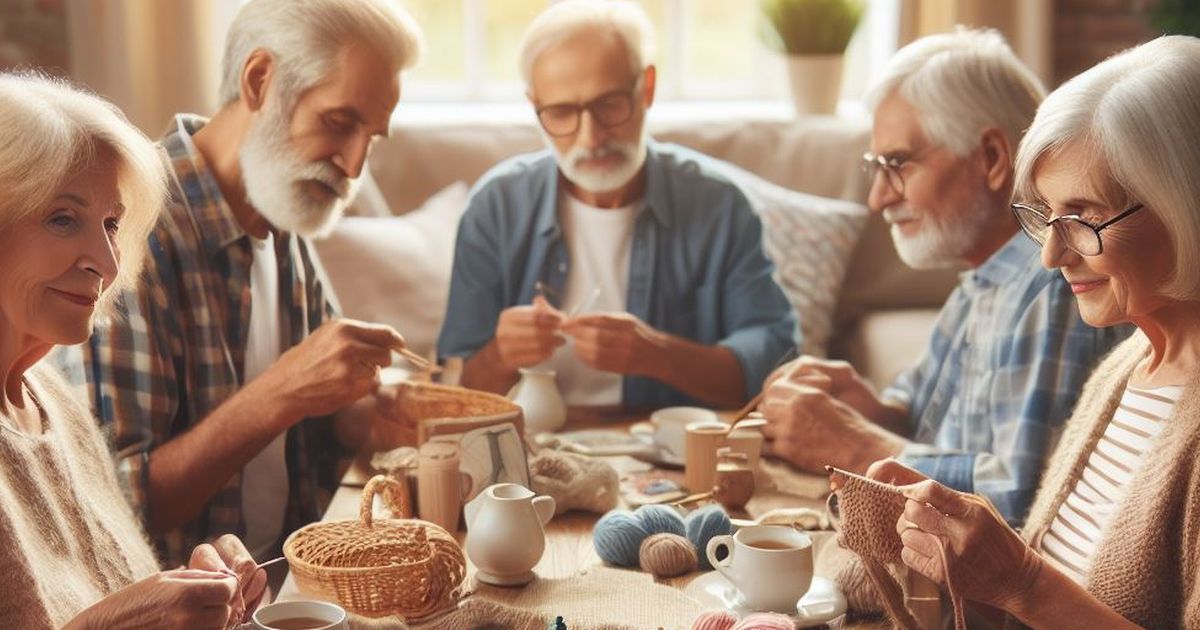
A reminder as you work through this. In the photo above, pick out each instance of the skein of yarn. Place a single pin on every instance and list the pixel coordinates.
(765, 621)
(660, 519)
(618, 537)
(667, 555)
(705, 524)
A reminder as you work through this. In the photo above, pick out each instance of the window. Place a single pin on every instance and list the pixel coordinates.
(708, 50)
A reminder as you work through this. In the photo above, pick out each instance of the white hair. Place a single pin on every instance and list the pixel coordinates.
(962, 83)
(305, 37)
(1135, 120)
(51, 132)
(567, 19)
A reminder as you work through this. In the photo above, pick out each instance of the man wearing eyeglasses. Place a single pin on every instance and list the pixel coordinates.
(626, 266)
(1009, 353)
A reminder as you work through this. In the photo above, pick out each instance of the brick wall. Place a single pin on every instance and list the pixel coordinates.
(34, 33)
(1087, 31)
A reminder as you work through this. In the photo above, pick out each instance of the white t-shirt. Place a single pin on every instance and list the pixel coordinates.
(264, 478)
(599, 242)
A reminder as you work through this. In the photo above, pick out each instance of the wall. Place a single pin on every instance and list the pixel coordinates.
(1088, 31)
(34, 33)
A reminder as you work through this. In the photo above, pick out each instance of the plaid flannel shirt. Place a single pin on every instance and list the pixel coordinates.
(1007, 360)
(175, 351)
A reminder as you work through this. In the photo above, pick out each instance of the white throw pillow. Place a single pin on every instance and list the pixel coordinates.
(810, 239)
(396, 270)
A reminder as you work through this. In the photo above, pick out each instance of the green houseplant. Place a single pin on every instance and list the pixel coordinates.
(813, 34)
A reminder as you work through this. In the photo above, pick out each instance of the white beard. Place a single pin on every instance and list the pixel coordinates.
(943, 241)
(594, 180)
(275, 177)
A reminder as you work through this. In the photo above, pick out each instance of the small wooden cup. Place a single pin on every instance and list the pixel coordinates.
(700, 454)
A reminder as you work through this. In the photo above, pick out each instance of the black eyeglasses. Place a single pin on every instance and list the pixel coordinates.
(1078, 235)
(609, 110)
(891, 167)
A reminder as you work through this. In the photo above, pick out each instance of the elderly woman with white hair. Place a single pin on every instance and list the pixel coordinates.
(82, 190)
(1109, 182)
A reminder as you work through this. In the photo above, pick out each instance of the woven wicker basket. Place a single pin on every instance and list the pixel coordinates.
(443, 409)
(406, 567)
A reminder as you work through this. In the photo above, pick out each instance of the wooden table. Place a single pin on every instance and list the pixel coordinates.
(569, 547)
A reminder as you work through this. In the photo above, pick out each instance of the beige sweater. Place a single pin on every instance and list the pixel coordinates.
(1146, 565)
(67, 535)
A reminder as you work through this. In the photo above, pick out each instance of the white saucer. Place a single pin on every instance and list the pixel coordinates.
(654, 452)
(823, 603)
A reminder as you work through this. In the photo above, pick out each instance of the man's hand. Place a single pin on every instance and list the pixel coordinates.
(389, 428)
(336, 365)
(527, 335)
(615, 342)
(811, 429)
(844, 384)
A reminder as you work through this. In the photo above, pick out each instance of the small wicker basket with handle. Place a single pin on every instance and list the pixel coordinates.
(406, 567)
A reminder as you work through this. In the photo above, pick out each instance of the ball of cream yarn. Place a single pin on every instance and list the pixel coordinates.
(667, 555)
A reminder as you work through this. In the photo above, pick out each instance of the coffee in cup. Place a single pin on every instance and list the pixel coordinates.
(300, 615)
(770, 565)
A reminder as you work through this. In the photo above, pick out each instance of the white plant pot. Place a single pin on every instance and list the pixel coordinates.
(816, 82)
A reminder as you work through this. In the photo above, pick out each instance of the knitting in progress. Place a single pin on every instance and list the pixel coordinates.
(865, 513)
(576, 482)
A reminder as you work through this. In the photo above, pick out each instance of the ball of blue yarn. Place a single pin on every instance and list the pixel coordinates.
(618, 537)
(660, 519)
(705, 524)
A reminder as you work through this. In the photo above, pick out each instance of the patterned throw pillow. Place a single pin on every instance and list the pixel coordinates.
(810, 239)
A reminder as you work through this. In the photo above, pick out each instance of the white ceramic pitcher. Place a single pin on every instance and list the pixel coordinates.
(537, 396)
(505, 538)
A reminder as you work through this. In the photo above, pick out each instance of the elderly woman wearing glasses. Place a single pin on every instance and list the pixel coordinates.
(1109, 175)
(82, 188)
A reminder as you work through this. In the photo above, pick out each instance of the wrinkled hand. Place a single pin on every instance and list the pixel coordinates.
(228, 553)
(336, 365)
(614, 342)
(811, 429)
(844, 382)
(987, 561)
(183, 599)
(527, 335)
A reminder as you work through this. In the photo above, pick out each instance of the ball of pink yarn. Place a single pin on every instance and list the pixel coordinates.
(714, 620)
(765, 621)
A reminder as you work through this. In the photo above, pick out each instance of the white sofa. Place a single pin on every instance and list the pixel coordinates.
(884, 312)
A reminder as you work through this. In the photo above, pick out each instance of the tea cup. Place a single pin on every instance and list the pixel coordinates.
(293, 615)
(770, 565)
(668, 427)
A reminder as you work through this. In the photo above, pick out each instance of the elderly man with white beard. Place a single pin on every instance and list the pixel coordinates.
(229, 386)
(627, 266)
(1009, 352)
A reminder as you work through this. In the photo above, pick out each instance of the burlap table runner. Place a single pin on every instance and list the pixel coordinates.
(598, 598)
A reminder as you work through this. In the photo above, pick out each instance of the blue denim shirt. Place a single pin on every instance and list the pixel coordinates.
(697, 268)
(1007, 360)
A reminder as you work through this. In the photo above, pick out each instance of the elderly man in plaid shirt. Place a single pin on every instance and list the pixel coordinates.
(1009, 352)
(228, 385)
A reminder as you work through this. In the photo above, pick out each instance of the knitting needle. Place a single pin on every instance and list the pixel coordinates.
(585, 305)
(750, 406)
(272, 561)
(418, 361)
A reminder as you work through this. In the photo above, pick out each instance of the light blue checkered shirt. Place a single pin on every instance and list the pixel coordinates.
(1007, 360)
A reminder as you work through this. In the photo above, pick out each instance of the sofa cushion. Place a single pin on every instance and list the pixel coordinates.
(396, 270)
(810, 239)
(882, 344)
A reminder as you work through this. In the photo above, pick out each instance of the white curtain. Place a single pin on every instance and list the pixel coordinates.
(152, 58)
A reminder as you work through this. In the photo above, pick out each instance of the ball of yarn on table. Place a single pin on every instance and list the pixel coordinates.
(715, 620)
(667, 555)
(618, 535)
(765, 621)
(705, 524)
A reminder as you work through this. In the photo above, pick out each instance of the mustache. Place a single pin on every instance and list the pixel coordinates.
(895, 214)
(581, 154)
(327, 174)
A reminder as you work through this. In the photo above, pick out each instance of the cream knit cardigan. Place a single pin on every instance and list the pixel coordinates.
(67, 536)
(1147, 563)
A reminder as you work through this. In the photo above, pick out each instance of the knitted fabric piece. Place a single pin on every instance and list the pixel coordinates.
(576, 482)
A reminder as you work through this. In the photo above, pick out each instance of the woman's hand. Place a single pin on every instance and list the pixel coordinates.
(228, 554)
(183, 599)
(984, 560)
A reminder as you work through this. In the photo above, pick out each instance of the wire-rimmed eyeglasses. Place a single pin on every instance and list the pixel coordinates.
(1078, 235)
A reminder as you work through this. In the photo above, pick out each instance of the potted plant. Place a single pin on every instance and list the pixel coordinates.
(813, 34)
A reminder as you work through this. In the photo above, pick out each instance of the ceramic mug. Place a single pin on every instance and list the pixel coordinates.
(668, 427)
(275, 616)
(701, 441)
(770, 565)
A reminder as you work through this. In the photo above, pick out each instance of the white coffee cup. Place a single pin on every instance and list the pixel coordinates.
(771, 565)
(669, 426)
(332, 614)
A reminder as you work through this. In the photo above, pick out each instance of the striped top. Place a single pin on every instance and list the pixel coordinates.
(1076, 531)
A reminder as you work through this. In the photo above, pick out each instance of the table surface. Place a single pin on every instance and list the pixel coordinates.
(569, 547)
